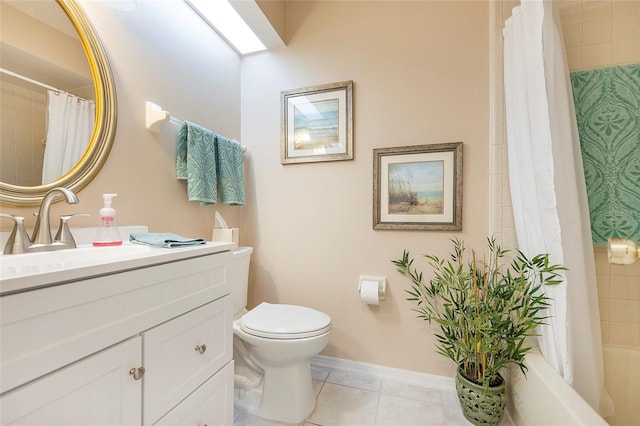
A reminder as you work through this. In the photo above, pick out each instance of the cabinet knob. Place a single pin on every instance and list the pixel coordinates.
(201, 348)
(137, 373)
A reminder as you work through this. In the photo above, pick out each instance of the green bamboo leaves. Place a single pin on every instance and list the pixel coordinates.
(486, 308)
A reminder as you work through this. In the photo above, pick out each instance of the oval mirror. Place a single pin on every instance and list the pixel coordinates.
(79, 168)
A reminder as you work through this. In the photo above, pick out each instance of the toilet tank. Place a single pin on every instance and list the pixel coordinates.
(239, 277)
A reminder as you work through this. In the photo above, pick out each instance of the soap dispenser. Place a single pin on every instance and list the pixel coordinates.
(108, 234)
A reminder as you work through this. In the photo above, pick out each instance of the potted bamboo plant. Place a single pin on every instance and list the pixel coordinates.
(485, 308)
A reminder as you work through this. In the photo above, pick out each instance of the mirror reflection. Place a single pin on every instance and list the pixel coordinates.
(48, 96)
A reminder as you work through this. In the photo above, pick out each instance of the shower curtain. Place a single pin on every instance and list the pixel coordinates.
(69, 127)
(549, 193)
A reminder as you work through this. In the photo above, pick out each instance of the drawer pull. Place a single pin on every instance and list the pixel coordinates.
(137, 373)
(201, 348)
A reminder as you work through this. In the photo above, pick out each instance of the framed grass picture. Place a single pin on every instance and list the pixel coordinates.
(418, 187)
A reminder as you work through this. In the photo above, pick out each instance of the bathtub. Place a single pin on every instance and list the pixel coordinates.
(622, 380)
(544, 398)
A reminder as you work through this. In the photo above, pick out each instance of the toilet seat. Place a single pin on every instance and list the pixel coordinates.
(276, 321)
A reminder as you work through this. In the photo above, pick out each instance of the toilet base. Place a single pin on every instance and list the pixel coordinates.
(286, 394)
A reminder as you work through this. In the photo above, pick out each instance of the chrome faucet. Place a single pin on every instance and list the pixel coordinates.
(19, 241)
(42, 231)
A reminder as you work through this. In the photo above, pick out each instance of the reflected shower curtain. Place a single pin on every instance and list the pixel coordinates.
(69, 127)
(549, 193)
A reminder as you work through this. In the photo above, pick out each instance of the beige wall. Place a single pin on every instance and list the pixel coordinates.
(26, 33)
(275, 12)
(420, 72)
(421, 75)
(161, 52)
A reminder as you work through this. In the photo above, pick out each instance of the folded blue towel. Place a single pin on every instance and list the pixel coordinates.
(230, 171)
(196, 162)
(166, 239)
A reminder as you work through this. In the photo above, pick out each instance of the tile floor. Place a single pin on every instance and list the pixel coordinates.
(349, 399)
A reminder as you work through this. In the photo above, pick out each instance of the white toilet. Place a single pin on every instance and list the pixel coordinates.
(272, 349)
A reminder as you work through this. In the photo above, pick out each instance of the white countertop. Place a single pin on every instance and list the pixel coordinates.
(23, 272)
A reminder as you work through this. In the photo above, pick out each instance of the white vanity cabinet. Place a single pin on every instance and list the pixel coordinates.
(206, 406)
(179, 353)
(93, 391)
(74, 353)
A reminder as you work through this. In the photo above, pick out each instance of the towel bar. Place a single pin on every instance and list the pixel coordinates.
(157, 117)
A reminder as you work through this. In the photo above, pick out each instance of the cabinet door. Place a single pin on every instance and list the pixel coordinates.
(38, 338)
(97, 390)
(211, 404)
(181, 354)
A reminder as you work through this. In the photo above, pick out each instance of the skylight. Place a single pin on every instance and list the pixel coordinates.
(220, 15)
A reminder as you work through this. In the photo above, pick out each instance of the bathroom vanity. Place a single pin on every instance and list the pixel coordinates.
(139, 336)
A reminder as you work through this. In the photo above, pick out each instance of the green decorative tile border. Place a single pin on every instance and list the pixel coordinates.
(607, 104)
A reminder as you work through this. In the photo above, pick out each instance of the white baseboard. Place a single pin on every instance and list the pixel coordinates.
(388, 373)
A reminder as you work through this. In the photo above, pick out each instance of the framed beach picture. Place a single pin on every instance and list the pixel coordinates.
(418, 187)
(317, 123)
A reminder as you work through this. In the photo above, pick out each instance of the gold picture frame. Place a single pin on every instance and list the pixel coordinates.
(317, 123)
(418, 187)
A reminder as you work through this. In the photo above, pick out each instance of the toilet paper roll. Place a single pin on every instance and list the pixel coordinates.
(369, 292)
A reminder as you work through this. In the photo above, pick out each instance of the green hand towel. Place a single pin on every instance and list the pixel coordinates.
(230, 171)
(196, 162)
(166, 240)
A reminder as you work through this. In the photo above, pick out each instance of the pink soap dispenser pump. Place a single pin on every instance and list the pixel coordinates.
(107, 234)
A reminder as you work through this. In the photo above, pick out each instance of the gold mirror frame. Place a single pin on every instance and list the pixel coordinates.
(105, 123)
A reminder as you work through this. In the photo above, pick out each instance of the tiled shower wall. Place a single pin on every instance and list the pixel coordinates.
(601, 34)
(597, 34)
(22, 123)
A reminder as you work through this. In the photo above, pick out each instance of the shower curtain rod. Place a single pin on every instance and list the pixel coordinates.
(37, 83)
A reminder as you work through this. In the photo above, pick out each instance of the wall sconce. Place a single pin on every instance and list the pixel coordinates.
(622, 251)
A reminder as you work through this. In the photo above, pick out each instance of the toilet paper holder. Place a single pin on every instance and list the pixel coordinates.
(382, 284)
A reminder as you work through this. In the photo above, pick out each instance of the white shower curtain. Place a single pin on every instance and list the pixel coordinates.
(69, 127)
(549, 194)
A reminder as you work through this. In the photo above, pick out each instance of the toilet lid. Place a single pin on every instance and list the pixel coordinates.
(284, 321)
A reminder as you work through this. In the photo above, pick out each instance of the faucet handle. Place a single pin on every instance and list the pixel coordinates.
(19, 240)
(64, 233)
